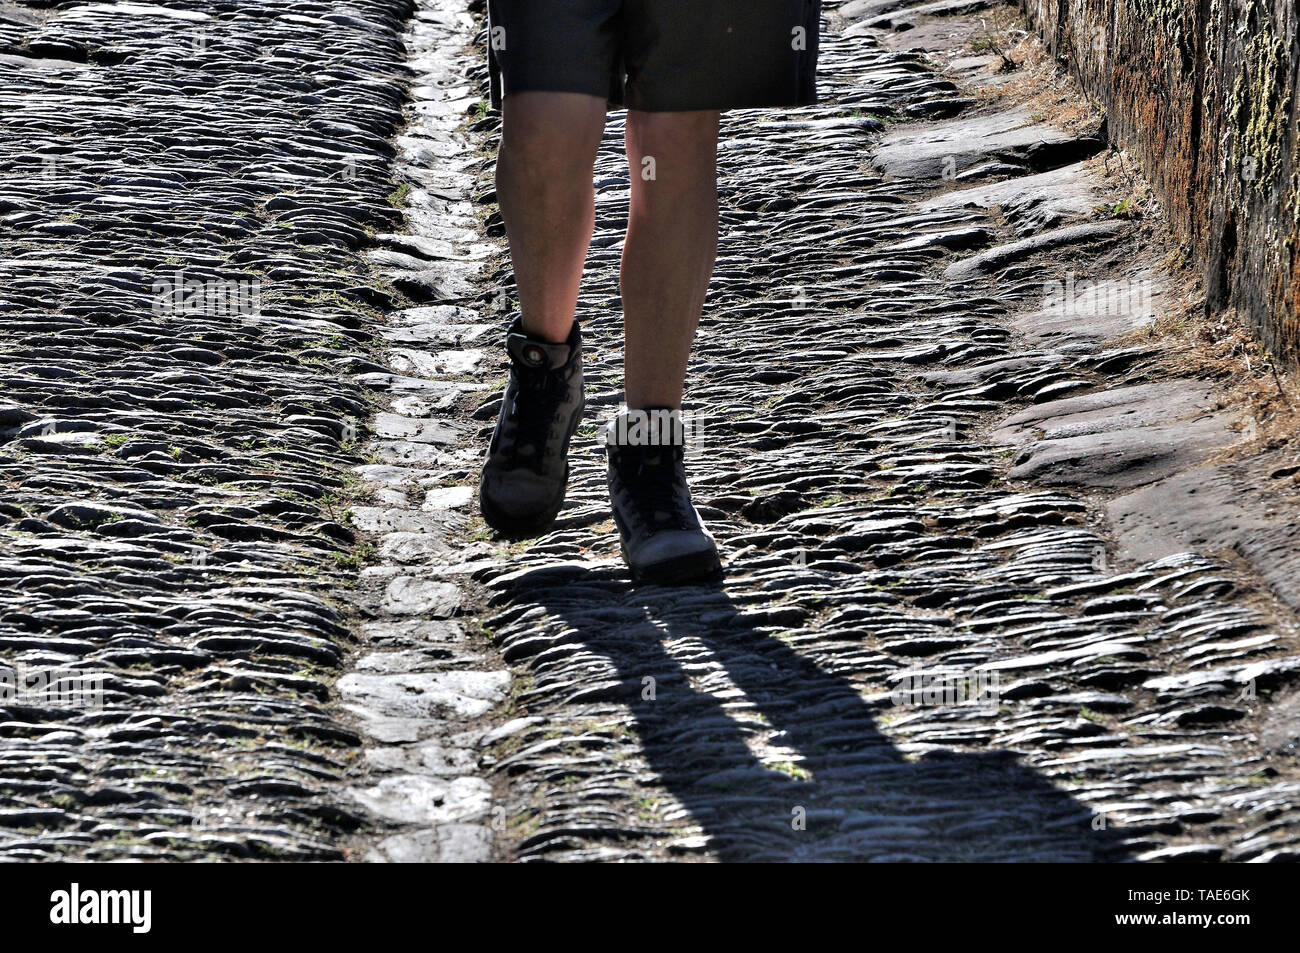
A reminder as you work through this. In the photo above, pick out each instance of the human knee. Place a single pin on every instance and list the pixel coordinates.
(691, 135)
(548, 139)
(673, 156)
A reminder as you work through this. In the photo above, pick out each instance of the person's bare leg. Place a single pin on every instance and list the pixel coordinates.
(544, 187)
(671, 246)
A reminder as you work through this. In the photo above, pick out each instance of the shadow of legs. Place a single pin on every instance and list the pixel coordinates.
(777, 758)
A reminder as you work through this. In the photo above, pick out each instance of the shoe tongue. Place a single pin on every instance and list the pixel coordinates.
(530, 352)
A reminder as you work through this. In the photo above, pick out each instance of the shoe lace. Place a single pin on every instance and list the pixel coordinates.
(650, 476)
(535, 411)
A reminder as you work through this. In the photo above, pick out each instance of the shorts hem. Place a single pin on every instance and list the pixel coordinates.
(642, 105)
(499, 95)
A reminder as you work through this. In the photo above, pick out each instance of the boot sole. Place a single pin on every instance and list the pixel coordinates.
(689, 569)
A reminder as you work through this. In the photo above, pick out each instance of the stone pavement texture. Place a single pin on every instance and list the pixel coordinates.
(253, 516)
(175, 465)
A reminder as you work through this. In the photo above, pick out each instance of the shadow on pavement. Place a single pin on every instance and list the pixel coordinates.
(802, 743)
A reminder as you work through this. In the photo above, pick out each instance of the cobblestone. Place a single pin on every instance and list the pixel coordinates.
(251, 519)
(183, 190)
(861, 382)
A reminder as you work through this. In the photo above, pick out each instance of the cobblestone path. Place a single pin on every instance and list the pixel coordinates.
(174, 465)
(258, 525)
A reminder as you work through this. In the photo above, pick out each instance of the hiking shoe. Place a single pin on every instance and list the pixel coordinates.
(662, 537)
(527, 469)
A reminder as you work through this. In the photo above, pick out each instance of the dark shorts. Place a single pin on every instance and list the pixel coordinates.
(658, 55)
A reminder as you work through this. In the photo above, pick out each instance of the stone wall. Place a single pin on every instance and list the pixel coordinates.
(1204, 93)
